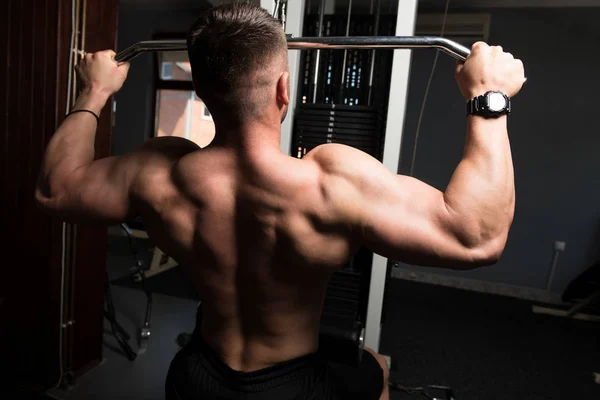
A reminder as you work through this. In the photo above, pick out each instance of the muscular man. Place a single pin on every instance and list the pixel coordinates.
(260, 233)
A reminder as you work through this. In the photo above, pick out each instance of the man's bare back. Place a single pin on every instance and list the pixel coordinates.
(259, 241)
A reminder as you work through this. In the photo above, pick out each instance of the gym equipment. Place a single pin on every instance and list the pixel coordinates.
(342, 340)
(449, 47)
(280, 11)
(118, 331)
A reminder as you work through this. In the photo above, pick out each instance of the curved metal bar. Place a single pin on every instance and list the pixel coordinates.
(151, 45)
(449, 47)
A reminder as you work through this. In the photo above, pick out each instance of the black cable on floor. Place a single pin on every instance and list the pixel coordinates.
(443, 392)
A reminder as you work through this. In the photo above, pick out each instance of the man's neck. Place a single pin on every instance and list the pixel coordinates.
(249, 136)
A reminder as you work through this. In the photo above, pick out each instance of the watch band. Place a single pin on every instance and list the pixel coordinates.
(478, 106)
(473, 105)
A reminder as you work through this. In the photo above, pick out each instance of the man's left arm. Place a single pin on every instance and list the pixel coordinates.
(71, 184)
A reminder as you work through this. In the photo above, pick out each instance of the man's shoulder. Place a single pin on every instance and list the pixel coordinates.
(170, 148)
(156, 160)
(332, 156)
(338, 160)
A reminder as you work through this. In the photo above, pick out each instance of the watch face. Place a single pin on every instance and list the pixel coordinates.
(496, 102)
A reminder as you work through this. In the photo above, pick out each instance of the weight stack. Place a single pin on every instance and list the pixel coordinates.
(357, 126)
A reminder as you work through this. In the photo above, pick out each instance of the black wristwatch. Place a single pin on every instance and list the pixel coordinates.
(490, 105)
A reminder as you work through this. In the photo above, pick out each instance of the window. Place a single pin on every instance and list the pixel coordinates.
(206, 114)
(179, 112)
(166, 71)
(178, 65)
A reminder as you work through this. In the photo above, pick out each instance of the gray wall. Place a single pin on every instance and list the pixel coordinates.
(134, 119)
(555, 138)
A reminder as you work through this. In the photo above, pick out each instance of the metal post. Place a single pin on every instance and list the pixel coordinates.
(284, 14)
(374, 52)
(318, 57)
(294, 26)
(346, 51)
(269, 5)
(405, 25)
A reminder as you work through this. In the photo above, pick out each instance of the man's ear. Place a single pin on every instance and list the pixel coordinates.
(283, 90)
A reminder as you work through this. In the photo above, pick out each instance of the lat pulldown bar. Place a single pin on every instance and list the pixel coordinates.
(449, 47)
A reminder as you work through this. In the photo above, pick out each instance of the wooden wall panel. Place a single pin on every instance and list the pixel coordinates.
(29, 310)
(35, 46)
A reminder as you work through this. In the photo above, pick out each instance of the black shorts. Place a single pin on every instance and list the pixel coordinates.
(197, 372)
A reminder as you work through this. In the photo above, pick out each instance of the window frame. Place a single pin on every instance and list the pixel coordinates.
(158, 81)
(161, 84)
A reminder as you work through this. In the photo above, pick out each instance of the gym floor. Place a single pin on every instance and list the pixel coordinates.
(480, 345)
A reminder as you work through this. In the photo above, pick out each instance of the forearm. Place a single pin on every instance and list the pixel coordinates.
(480, 197)
(72, 146)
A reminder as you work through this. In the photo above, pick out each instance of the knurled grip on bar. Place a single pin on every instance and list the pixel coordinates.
(449, 47)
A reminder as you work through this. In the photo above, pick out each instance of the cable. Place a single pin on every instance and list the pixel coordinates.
(64, 225)
(431, 392)
(414, 154)
(410, 390)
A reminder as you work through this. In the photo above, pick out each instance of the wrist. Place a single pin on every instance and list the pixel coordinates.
(481, 120)
(478, 91)
(91, 99)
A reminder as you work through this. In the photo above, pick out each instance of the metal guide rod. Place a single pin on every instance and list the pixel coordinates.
(346, 51)
(374, 52)
(280, 12)
(318, 56)
(448, 46)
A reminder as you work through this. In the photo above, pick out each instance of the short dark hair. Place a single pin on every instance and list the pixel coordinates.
(229, 42)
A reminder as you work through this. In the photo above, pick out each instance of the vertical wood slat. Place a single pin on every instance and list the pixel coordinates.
(43, 33)
(20, 165)
(5, 28)
(62, 53)
(55, 90)
(12, 108)
(22, 124)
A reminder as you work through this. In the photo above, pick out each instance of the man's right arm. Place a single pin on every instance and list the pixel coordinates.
(407, 220)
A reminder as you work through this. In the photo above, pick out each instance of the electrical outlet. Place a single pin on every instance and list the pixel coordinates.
(559, 246)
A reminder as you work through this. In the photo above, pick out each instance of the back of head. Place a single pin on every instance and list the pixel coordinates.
(234, 50)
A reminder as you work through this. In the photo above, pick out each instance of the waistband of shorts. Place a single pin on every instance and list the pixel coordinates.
(259, 380)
